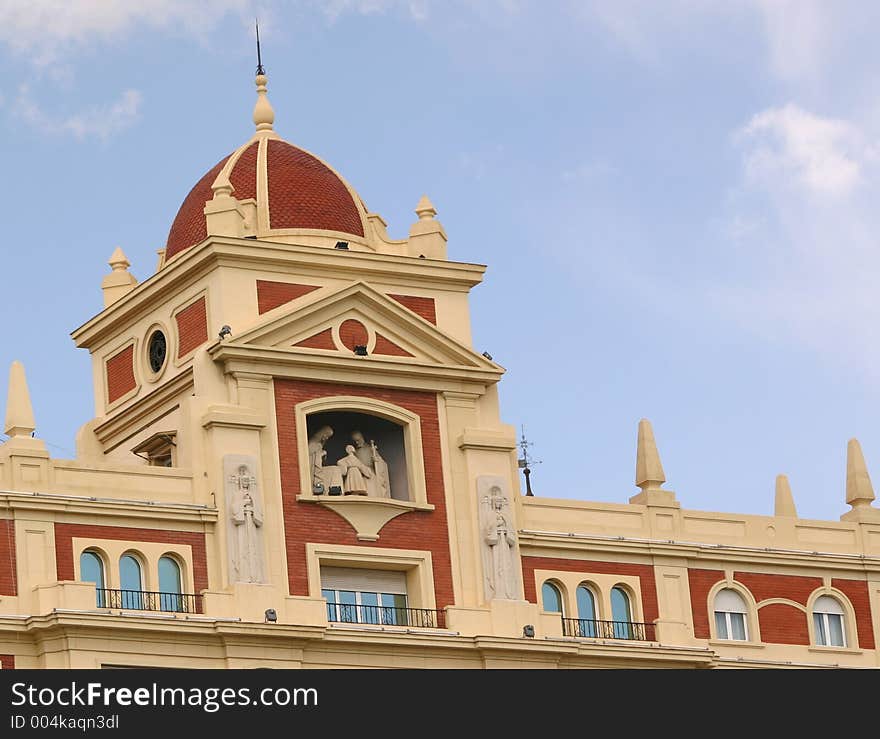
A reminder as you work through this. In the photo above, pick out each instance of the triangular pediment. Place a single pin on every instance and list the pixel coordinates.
(337, 322)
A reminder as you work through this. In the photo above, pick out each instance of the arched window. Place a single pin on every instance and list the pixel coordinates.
(551, 598)
(828, 622)
(586, 603)
(131, 583)
(731, 620)
(169, 585)
(91, 569)
(621, 613)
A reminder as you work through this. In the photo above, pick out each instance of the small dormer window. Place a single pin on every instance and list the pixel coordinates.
(159, 450)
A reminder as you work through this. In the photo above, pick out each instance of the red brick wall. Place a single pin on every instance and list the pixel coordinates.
(701, 582)
(783, 624)
(645, 573)
(272, 294)
(780, 623)
(8, 569)
(791, 587)
(65, 533)
(425, 307)
(857, 592)
(120, 373)
(322, 340)
(7, 662)
(192, 327)
(307, 522)
(353, 332)
(389, 348)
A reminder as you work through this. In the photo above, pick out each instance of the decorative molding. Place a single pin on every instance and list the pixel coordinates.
(366, 515)
(134, 418)
(487, 440)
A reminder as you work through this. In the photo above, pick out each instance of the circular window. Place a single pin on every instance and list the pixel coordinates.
(157, 350)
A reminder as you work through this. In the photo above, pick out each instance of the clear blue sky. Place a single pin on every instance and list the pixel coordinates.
(677, 202)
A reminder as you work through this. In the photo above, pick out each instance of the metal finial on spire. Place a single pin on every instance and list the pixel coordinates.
(260, 69)
(525, 461)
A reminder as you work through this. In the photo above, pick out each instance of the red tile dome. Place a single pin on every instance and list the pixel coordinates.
(303, 193)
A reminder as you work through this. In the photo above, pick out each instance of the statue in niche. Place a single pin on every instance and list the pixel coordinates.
(357, 474)
(379, 483)
(246, 514)
(324, 479)
(499, 540)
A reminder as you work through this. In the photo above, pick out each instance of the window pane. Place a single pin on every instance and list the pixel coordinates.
(332, 610)
(620, 610)
(369, 608)
(737, 626)
(586, 603)
(551, 598)
(91, 569)
(721, 625)
(169, 586)
(131, 583)
(835, 628)
(348, 607)
(819, 625)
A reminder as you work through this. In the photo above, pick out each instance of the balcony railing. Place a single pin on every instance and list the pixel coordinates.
(422, 618)
(607, 629)
(142, 600)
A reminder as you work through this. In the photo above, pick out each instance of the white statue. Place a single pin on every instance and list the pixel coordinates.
(246, 518)
(324, 479)
(500, 566)
(379, 483)
(357, 474)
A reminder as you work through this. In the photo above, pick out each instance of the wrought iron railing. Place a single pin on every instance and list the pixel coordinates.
(607, 629)
(142, 600)
(423, 618)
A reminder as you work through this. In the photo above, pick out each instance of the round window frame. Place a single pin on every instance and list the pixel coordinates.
(149, 373)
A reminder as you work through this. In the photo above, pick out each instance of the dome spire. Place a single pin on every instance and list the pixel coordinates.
(264, 115)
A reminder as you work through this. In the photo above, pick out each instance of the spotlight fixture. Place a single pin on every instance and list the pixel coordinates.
(488, 356)
(342, 245)
(271, 616)
(529, 631)
(224, 332)
(360, 350)
(421, 256)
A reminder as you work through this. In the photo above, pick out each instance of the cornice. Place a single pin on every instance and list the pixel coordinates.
(385, 372)
(190, 266)
(536, 543)
(92, 507)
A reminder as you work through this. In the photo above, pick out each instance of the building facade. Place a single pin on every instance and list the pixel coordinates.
(297, 459)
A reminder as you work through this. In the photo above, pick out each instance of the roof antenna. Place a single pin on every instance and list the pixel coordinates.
(525, 461)
(260, 69)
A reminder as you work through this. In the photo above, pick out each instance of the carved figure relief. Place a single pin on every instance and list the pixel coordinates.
(501, 577)
(245, 512)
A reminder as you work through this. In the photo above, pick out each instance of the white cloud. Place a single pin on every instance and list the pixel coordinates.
(48, 30)
(792, 145)
(99, 122)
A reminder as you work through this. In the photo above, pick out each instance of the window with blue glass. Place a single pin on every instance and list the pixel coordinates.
(621, 613)
(551, 597)
(586, 604)
(91, 569)
(365, 596)
(363, 607)
(169, 584)
(131, 582)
